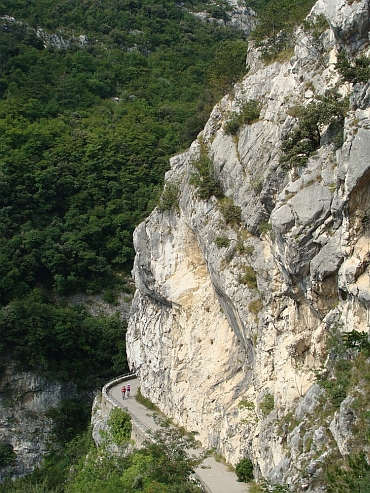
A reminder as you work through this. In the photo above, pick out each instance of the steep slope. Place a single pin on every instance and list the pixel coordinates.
(238, 295)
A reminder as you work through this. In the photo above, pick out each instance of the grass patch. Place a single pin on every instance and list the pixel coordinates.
(145, 401)
(249, 277)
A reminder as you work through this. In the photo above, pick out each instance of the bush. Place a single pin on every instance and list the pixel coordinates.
(355, 477)
(222, 241)
(267, 404)
(264, 228)
(358, 71)
(249, 277)
(204, 178)
(120, 426)
(230, 212)
(250, 113)
(255, 306)
(302, 141)
(244, 470)
(169, 200)
(7, 454)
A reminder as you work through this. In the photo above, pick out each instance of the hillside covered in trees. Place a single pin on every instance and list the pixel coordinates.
(95, 98)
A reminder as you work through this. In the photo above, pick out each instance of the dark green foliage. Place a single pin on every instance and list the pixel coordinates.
(7, 454)
(267, 404)
(356, 340)
(120, 426)
(79, 171)
(316, 27)
(222, 241)
(244, 470)
(355, 476)
(277, 18)
(169, 199)
(303, 140)
(356, 71)
(145, 401)
(62, 342)
(85, 136)
(204, 178)
(248, 277)
(228, 66)
(250, 113)
(230, 211)
(70, 418)
(172, 463)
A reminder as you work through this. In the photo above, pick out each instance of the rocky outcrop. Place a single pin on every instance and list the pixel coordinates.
(230, 318)
(237, 16)
(25, 399)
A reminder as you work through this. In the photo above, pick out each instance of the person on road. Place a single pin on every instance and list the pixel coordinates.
(128, 389)
(123, 390)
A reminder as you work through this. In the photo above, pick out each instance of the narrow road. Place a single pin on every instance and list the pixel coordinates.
(216, 476)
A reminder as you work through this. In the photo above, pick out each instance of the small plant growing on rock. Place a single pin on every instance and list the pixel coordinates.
(222, 242)
(264, 228)
(255, 306)
(245, 404)
(249, 277)
(169, 199)
(230, 211)
(302, 141)
(316, 27)
(204, 178)
(249, 114)
(267, 404)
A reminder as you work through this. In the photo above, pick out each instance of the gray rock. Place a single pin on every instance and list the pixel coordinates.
(311, 205)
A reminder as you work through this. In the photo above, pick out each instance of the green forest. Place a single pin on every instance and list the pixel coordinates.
(89, 119)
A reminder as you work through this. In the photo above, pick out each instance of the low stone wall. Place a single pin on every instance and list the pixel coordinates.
(140, 432)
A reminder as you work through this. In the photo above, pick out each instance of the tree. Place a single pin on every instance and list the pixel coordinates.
(120, 426)
(172, 462)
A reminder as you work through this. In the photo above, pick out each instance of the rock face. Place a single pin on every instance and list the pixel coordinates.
(24, 400)
(230, 319)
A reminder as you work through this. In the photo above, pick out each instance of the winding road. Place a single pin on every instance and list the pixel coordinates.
(216, 477)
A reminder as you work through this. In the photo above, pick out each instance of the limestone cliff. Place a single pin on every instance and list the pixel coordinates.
(25, 399)
(230, 318)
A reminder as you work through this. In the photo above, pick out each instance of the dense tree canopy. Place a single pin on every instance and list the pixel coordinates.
(94, 99)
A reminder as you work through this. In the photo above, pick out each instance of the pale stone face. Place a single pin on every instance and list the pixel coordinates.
(211, 348)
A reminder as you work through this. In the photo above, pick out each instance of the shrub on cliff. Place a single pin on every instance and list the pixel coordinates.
(7, 454)
(250, 113)
(356, 71)
(244, 470)
(169, 199)
(304, 139)
(204, 179)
